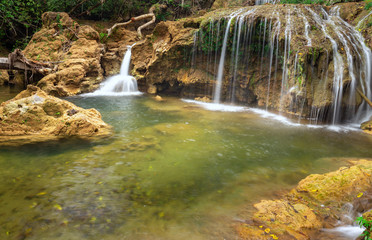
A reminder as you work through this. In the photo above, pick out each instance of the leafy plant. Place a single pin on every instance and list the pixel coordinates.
(368, 4)
(367, 224)
(102, 37)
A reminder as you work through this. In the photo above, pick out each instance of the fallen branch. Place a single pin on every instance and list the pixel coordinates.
(141, 17)
(364, 97)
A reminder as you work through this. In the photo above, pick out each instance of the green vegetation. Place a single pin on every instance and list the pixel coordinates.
(368, 4)
(20, 19)
(367, 224)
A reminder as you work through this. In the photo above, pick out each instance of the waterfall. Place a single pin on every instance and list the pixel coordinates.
(218, 87)
(300, 60)
(121, 84)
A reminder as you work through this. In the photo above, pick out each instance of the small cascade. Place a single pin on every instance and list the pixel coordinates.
(347, 226)
(121, 84)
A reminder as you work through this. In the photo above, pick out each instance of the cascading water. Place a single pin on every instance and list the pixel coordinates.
(217, 89)
(120, 84)
(312, 70)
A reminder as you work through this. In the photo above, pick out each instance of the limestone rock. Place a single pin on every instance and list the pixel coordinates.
(367, 127)
(285, 218)
(34, 116)
(4, 77)
(116, 48)
(315, 203)
(75, 49)
(338, 186)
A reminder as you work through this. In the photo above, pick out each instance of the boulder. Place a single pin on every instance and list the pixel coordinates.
(34, 116)
(367, 127)
(74, 49)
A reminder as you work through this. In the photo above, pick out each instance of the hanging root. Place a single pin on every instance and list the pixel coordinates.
(151, 15)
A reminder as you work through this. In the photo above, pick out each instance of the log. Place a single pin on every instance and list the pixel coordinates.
(364, 97)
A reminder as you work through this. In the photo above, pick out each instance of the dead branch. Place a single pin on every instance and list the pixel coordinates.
(16, 60)
(151, 15)
(364, 97)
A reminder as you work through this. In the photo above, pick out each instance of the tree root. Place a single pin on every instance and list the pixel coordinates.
(144, 16)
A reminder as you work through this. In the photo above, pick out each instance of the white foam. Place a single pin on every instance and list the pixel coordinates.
(217, 107)
(273, 116)
(110, 94)
(352, 232)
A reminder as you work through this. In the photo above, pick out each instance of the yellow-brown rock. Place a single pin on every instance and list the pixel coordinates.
(285, 218)
(34, 116)
(339, 186)
(76, 51)
(367, 127)
(4, 77)
(314, 204)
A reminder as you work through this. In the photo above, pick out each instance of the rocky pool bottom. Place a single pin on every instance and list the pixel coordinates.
(173, 170)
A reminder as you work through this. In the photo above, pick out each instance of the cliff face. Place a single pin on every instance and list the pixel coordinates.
(305, 60)
(302, 60)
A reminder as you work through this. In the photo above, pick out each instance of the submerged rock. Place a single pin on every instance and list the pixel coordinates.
(367, 127)
(315, 203)
(34, 116)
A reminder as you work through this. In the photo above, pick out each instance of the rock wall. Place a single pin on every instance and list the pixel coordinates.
(170, 62)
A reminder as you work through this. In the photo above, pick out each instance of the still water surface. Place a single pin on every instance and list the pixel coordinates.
(173, 170)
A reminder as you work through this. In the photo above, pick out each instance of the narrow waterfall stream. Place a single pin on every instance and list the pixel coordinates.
(120, 84)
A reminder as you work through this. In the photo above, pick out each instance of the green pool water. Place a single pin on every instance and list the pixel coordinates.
(172, 170)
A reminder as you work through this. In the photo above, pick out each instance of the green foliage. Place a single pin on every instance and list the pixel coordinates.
(102, 37)
(19, 20)
(368, 227)
(368, 4)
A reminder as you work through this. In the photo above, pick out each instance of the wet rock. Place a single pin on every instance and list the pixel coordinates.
(315, 203)
(34, 116)
(367, 127)
(285, 218)
(341, 185)
(159, 98)
(203, 99)
(116, 48)
(4, 77)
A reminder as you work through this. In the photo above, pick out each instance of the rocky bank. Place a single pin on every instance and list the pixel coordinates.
(34, 116)
(317, 202)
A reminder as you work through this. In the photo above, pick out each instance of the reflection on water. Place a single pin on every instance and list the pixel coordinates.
(172, 171)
